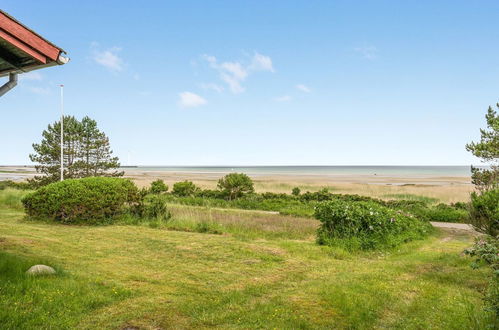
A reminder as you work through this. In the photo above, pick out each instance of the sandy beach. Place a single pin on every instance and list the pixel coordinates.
(448, 189)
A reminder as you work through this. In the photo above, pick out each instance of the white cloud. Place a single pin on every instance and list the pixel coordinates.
(31, 76)
(261, 63)
(233, 83)
(40, 90)
(213, 87)
(235, 69)
(190, 100)
(284, 98)
(109, 58)
(369, 53)
(235, 73)
(211, 59)
(303, 88)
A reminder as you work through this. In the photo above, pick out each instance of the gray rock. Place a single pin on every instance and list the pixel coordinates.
(40, 270)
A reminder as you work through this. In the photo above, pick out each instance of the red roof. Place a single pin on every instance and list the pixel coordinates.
(22, 49)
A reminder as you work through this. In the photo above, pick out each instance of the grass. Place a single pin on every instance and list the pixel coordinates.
(411, 197)
(283, 206)
(11, 198)
(241, 223)
(275, 276)
(55, 301)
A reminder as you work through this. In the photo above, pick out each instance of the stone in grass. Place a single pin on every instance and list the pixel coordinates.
(40, 270)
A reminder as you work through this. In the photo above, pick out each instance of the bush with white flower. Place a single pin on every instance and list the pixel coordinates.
(366, 225)
(485, 251)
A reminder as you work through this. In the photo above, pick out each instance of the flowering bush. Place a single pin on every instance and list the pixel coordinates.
(366, 225)
(486, 252)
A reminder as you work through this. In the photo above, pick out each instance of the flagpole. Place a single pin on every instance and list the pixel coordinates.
(62, 132)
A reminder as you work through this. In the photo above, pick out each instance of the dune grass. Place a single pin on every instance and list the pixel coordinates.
(154, 278)
(412, 197)
(11, 198)
(241, 223)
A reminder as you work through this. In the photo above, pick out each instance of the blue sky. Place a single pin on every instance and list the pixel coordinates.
(264, 82)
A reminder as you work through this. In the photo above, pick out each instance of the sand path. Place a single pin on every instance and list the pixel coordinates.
(451, 225)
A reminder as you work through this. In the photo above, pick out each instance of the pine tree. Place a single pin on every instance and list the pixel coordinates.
(488, 150)
(96, 151)
(87, 152)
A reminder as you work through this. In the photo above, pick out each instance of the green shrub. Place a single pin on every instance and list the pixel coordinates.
(89, 200)
(16, 185)
(486, 252)
(208, 193)
(184, 188)
(235, 185)
(356, 198)
(154, 207)
(158, 187)
(321, 195)
(461, 206)
(366, 225)
(325, 195)
(420, 209)
(271, 195)
(207, 228)
(405, 204)
(447, 213)
(484, 212)
(296, 191)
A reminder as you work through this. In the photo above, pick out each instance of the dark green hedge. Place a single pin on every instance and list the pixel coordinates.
(87, 200)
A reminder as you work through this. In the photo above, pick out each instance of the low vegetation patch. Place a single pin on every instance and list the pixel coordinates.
(303, 204)
(244, 224)
(96, 201)
(15, 185)
(11, 198)
(412, 197)
(366, 225)
(440, 212)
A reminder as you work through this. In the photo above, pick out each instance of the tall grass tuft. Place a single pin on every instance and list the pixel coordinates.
(412, 197)
(11, 198)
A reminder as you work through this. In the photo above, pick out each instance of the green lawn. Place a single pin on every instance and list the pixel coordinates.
(118, 276)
